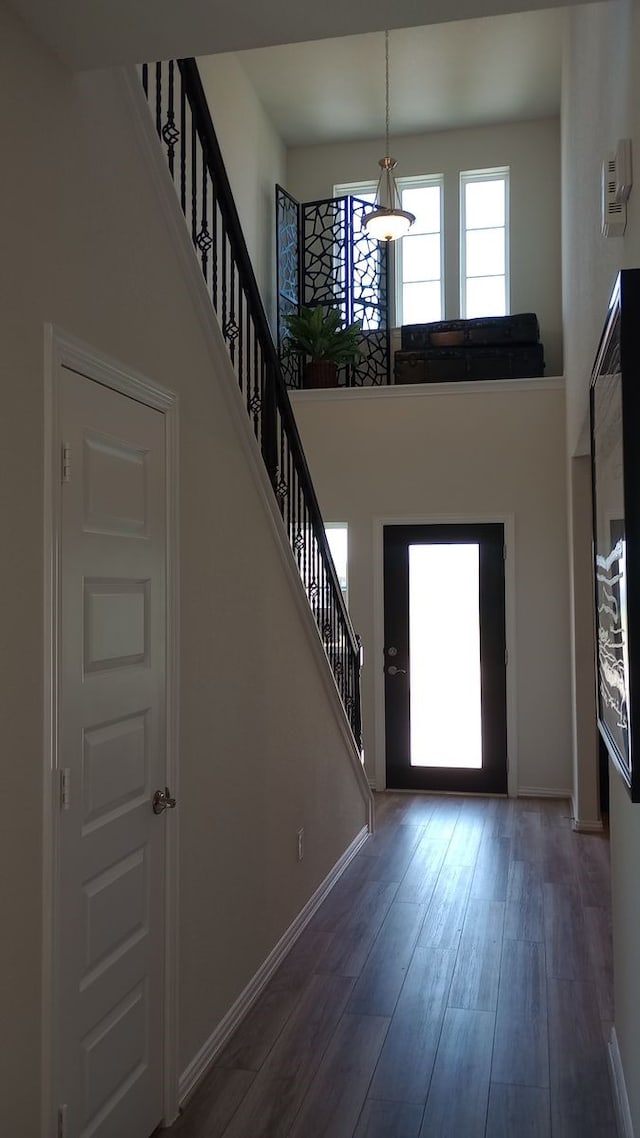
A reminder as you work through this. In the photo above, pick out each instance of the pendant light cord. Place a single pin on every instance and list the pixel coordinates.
(386, 66)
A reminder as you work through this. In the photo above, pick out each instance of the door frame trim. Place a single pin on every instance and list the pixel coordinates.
(63, 350)
(379, 523)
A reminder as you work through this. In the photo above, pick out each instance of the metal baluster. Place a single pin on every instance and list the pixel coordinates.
(183, 147)
(145, 79)
(169, 129)
(194, 183)
(159, 97)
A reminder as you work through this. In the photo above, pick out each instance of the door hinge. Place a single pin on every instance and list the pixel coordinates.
(65, 789)
(65, 466)
(62, 1121)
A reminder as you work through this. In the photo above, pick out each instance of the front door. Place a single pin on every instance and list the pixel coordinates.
(445, 678)
(111, 753)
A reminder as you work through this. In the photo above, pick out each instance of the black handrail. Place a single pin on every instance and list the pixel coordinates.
(183, 123)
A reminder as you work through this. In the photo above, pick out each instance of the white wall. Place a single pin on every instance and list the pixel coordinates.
(255, 159)
(433, 452)
(530, 149)
(602, 104)
(86, 246)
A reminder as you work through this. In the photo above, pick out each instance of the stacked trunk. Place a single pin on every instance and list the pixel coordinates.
(492, 347)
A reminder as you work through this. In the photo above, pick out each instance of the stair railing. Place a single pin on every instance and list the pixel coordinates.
(183, 123)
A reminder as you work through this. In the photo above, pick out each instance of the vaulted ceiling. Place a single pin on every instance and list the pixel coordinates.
(95, 33)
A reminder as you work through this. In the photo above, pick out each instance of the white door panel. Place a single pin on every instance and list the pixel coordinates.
(111, 740)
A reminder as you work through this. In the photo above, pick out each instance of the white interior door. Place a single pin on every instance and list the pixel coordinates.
(111, 753)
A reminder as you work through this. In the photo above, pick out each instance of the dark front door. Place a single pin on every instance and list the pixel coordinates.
(444, 657)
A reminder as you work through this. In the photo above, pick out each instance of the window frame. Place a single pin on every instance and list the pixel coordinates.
(491, 174)
(415, 182)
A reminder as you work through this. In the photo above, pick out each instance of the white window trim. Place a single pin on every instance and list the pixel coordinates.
(498, 173)
(413, 182)
(354, 189)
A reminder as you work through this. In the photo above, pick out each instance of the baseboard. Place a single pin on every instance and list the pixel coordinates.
(543, 792)
(199, 1065)
(619, 1088)
(583, 827)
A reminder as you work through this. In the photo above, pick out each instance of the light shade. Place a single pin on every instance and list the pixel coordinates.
(387, 221)
(388, 224)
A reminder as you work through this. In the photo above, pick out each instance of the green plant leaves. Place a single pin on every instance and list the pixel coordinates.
(318, 333)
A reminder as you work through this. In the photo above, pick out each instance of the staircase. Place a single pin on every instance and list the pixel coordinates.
(185, 129)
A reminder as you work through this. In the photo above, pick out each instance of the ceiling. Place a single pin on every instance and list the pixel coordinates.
(465, 73)
(97, 33)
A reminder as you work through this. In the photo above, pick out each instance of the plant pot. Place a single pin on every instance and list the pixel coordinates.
(320, 373)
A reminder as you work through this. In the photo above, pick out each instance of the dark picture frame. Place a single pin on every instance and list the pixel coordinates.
(615, 468)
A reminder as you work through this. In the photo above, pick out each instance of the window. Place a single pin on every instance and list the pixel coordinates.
(484, 278)
(337, 536)
(419, 278)
(366, 191)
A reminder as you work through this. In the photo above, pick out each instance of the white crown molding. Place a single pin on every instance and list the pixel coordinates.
(430, 390)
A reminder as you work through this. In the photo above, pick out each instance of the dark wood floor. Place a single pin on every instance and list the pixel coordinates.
(456, 983)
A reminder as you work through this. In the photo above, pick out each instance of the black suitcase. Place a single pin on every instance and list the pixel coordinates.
(451, 365)
(522, 328)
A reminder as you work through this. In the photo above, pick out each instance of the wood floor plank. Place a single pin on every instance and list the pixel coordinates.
(599, 939)
(334, 1101)
(389, 1120)
(276, 1094)
(299, 964)
(523, 988)
(467, 835)
(443, 818)
(349, 950)
(581, 1101)
(556, 813)
(389, 860)
(500, 816)
(528, 839)
(404, 1069)
(524, 916)
(378, 986)
(252, 1042)
(443, 923)
(593, 869)
(565, 933)
(457, 1100)
(477, 972)
(420, 878)
(518, 1110)
(558, 862)
(212, 1107)
(520, 1050)
(491, 876)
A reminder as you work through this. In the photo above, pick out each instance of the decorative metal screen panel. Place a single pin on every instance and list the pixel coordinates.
(339, 266)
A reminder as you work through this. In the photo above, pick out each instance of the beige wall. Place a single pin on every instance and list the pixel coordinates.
(255, 160)
(433, 452)
(601, 105)
(530, 149)
(86, 246)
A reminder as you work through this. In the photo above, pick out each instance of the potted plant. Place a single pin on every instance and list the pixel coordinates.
(317, 334)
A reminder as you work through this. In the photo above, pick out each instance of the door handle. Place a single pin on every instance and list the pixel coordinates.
(393, 671)
(162, 800)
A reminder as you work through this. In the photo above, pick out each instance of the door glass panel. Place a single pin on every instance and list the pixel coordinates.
(444, 670)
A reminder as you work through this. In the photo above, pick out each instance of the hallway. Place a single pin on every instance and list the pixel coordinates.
(456, 983)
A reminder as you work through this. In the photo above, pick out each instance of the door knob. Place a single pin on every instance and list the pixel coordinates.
(162, 800)
(393, 671)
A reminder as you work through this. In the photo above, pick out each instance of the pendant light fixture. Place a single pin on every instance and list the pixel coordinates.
(388, 221)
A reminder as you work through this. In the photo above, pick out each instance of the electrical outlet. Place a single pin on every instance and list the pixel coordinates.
(300, 845)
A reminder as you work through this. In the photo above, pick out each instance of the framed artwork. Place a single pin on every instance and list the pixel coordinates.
(615, 464)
